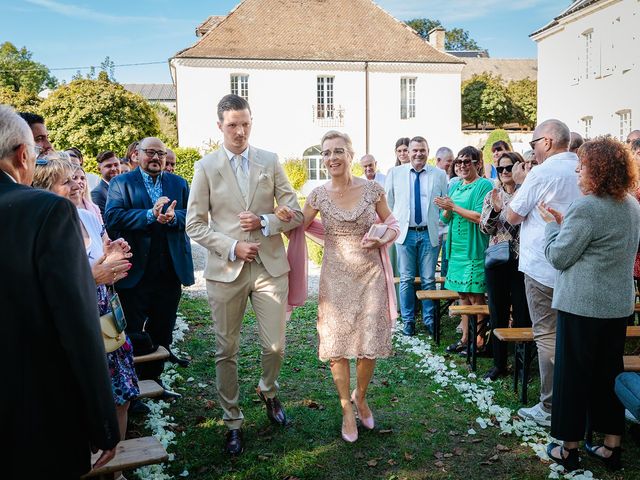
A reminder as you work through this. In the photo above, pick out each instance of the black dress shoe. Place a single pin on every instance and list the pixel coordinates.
(181, 362)
(494, 374)
(137, 407)
(233, 442)
(275, 412)
(409, 329)
(168, 394)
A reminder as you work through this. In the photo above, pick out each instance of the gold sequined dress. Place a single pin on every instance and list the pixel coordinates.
(353, 310)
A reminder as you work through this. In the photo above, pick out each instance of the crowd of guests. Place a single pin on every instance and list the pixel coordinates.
(527, 234)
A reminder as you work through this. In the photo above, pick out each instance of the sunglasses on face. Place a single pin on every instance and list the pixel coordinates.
(466, 162)
(498, 149)
(505, 169)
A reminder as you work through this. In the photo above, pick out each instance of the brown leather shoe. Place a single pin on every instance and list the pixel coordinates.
(233, 442)
(275, 412)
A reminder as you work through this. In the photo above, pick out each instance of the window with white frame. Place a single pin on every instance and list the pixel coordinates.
(240, 85)
(316, 168)
(624, 117)
(324, 103)
(407, 98)
(586, 126)
(588, 53)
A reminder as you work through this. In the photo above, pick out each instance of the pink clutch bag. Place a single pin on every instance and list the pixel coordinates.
(377, 230)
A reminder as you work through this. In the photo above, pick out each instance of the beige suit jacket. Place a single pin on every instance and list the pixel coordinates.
(215, 201)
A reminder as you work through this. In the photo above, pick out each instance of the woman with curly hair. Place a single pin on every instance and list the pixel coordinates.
(593, 248)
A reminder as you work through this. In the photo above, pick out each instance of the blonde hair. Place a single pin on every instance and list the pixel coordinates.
(47, 175)
(331, 134)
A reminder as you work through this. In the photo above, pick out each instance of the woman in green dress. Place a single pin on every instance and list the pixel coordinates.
(466, 243)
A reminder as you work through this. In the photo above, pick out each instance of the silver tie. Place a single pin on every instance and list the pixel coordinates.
(241, 176)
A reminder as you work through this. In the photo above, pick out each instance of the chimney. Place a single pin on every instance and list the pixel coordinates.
(436, 38)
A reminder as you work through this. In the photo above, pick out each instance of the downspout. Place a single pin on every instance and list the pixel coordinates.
(366, 107)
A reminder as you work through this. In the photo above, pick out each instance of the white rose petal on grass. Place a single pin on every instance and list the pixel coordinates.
(482, 422)
(185, 473)
(471, 431)
(190, 379)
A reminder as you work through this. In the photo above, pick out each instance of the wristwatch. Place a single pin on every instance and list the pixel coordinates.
(263, 221)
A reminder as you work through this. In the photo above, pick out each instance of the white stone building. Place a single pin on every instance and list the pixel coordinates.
(589, 67)
(310, 66)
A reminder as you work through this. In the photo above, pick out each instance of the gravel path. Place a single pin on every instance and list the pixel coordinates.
(199, 289)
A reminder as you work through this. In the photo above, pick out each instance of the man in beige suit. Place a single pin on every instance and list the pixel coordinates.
(230, 213)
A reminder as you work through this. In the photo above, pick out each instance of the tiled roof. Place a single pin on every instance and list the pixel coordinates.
(323, 30)
(508, 68)
(574, 7)
(208, 24)
(153, 91)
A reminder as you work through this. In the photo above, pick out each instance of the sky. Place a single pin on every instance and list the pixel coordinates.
(139, 36)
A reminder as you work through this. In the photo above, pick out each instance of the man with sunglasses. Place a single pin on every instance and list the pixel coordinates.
(147, 206)
(555, 183)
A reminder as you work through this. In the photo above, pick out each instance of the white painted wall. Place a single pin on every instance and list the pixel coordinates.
(282, 97)
(565, 92)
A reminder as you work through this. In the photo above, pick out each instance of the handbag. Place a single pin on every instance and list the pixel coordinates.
(112, 325)
(497, 254)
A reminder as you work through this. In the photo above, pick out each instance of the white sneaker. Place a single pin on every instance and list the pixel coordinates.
(537, 414)
(629, 416)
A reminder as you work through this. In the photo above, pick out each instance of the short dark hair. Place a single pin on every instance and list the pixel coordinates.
(231, 102)
(31, 118)
(403, 141)
(77, 153)
(468, 151)
(500, 143)
(419, 139)
(103, 156)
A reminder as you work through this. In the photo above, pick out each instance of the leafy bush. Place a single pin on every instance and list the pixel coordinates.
(494, 136)
(168, 124)
(22, 100)
(185, 158)
(524, 96)
(296, 170)
(97, 115)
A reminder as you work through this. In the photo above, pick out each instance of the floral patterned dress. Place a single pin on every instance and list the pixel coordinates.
(124, 381)
(353, 310)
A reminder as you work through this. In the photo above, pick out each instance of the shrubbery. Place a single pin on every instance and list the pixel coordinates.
(494, 136)
(185, 158)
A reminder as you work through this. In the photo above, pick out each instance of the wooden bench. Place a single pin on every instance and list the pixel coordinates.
(632, 363)
(132, 453)
(150, 389)
(472, 311)
(437, 296)
(160, 354)
(523, 338)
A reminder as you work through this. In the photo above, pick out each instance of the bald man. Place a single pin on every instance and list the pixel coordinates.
(633, 135)
(555, 182)
(370, 167)
(148, 207)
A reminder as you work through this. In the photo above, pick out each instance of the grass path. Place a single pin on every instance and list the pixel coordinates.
(421, 427)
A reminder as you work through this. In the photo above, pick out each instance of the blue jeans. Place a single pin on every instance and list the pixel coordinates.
(416, 253)
(628, 390)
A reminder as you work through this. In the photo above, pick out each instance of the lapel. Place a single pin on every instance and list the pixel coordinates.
(168, 191)
(255, 169)
(229, 177)
(139, 190)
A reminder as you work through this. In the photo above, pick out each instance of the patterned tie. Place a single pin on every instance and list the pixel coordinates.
(417, 199)
(241, 176)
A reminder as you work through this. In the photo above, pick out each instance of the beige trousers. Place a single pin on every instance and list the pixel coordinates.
(228, 302)
(543, 321)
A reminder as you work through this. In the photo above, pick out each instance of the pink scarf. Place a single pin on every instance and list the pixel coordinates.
(297, 256)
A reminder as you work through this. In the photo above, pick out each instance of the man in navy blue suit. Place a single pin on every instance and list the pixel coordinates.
(148, 207)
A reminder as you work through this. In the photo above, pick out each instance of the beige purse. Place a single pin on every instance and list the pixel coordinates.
(113, 339)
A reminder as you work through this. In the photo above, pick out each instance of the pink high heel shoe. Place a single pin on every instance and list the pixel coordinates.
(349, 438)
(367, 422)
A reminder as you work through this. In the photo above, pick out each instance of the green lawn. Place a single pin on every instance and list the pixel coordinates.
(421, 427)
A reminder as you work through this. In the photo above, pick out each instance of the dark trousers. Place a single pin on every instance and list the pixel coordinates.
(152, 305)
(505, 289)
(587, 360)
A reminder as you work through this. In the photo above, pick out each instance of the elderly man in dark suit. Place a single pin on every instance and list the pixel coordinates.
(57, 402)
(147, 206)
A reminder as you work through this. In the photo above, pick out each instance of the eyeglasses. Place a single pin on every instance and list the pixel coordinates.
(505, 169)
(533, 163)
(153, 153)
(533, 142)
(42, 161)
(336, 151)
(466, 162)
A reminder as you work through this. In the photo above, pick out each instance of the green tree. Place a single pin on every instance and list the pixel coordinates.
(455, 39)
(168, 124)
(185, 158)
(97, 115)
(524, 96)
(485, 99)
(22, 100)
(19, 72)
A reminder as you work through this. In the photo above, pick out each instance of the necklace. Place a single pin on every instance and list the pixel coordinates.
(341, 192)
